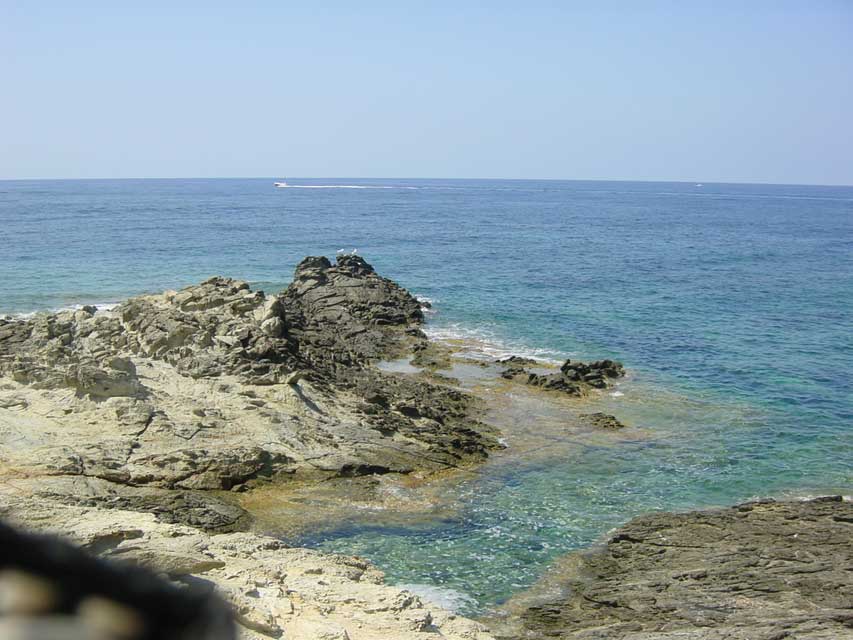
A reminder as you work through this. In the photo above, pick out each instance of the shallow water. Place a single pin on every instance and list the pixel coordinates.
(560, 486)
(729, 304)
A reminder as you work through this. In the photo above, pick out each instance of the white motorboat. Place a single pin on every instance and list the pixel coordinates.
(280, 184)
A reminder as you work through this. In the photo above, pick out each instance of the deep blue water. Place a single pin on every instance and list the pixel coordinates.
(733, 302)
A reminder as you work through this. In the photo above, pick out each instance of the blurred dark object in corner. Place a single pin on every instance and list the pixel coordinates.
(51, 590)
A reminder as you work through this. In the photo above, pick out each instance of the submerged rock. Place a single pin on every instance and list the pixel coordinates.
(601, 421)
(431, 356)
(762, 570)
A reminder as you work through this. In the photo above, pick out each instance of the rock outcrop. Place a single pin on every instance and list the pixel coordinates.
(574, 378)
(126, 430)
(346, 314)
(330, 316)
(758, 571)
(217, 387)
(274, 591)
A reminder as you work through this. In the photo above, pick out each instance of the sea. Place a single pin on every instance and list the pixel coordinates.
(731, 305)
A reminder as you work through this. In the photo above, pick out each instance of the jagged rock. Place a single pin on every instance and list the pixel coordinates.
(347, 314)
(216, 328)
(273, 327)
(341, 315)
(195, 509)
(762, 570)
(574, 378)
(598, 369)
(162, 383)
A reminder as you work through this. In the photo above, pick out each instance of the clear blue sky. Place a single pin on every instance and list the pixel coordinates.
(707, 91)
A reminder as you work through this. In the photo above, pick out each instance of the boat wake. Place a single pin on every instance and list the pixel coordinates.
(340, 186)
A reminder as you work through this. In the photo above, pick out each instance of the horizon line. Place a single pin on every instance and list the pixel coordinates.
(697, 181)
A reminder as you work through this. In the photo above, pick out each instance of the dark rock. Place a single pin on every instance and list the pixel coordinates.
(349, 314)
(195, 509)
(517, 360)
(442, 419)
(600, 368)
(756, 571)
(574, 378)
(556, 382)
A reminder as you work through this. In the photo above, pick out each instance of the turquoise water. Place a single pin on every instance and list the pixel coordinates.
(731, 304)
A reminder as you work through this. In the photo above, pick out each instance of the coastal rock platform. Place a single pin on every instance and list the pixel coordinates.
(758, 571)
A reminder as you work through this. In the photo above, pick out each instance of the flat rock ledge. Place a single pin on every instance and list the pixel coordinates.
(759, 571)
(274, 591)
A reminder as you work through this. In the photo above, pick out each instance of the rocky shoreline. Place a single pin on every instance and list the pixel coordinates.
(219, 388)
(758, 571)
(157, 432)
(135, 431)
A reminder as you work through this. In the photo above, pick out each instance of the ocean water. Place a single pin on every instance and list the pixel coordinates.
(732, 306)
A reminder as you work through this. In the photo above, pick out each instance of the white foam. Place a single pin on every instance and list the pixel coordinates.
(444, 597)
(483, 344)
(813, 496)
(427, 304)
(617, 394)
(102, 307)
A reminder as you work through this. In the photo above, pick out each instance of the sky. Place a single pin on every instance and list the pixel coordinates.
(697, 91)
